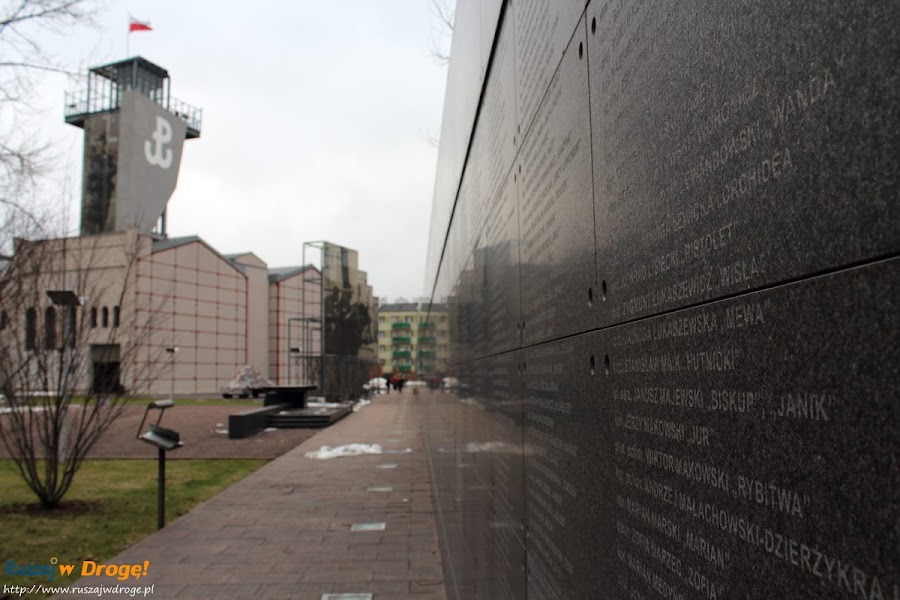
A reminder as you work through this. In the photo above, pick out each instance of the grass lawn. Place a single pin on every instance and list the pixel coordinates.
(110, 506)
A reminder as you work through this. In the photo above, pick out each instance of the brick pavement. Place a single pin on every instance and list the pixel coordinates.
(285, 531)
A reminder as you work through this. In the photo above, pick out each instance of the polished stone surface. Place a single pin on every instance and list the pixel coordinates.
(756, 437)
(750, 146)
(556, 215)
(566, 480)
(671, 277)
(501, 286)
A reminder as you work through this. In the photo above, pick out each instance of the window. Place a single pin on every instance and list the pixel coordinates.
(382, 348)
(409, 319)
(381, 319)
(395, 319)
(50, 328)
(94, 317)
(381, 334)
(381, 361)
(104, 317)
(71, 326)
(30, 329)
(117, 313)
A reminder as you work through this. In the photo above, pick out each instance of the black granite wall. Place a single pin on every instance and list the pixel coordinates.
(667, 237)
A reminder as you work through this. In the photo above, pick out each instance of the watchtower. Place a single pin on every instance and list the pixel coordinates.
(134, 131)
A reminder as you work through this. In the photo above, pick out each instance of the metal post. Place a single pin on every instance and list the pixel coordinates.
(172, 350)
(161, 493)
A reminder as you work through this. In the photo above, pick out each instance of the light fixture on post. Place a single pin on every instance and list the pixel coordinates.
(164, 439)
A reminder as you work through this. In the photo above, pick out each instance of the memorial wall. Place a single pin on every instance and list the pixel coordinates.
(667, 236)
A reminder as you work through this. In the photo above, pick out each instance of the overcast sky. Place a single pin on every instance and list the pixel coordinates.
(316, 120)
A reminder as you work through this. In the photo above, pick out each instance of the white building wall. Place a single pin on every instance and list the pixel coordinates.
(257, 321)
(198, 300)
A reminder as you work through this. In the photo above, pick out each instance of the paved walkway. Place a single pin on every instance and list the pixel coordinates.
(285, 531)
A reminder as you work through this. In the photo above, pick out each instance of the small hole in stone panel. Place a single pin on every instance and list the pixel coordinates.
(590, 296)
(594, 25)
(524, 368)
(603, 289)
(514, 177)
(580, 49)
(593, 370)
(520, 168)
(606, 363)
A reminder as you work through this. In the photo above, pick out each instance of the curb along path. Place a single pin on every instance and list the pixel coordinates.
(285, 530)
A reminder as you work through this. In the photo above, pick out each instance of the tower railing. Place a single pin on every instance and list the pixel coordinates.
(93, 100)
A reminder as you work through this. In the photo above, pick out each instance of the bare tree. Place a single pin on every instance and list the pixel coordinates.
(444, 14)
(70, 331)
(24, 158)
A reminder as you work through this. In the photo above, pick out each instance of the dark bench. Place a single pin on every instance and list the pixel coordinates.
(250, 422)
(295, 396)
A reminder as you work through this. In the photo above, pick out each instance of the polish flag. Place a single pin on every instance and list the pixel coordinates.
(135, 25)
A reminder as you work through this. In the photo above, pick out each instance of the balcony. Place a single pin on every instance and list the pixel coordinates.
(426, 339)
(402, 354)
(427, 353)
(401, 339)
(400, 326)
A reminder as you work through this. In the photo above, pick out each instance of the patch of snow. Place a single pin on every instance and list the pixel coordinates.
(23, 409)
(326, 452)
(377, 383)
(361, 404)
(497, 447)
(222, 431)
(323, 404)
(270, 429)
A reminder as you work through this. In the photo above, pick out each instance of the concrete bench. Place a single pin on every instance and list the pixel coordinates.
(250, 422)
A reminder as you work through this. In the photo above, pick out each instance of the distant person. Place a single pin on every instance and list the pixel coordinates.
(400, 383)
(387, 383)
